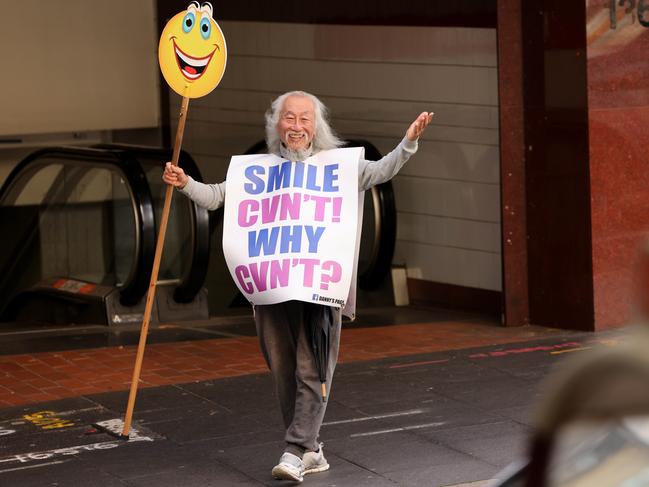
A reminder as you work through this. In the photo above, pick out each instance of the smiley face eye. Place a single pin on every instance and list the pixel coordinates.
(206, 27)
(188, 22)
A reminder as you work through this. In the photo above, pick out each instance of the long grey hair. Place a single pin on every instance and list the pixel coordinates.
(324, 137)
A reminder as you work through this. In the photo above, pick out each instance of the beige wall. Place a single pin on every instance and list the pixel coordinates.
(78, 65)
(75, 72)
(375, 80)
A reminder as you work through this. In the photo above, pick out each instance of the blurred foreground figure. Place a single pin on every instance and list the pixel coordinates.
(592, 427)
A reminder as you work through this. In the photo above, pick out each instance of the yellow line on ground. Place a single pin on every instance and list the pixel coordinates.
(570, 350)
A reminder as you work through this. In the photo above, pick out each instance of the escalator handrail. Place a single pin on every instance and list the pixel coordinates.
(136, 285)
(195, 273)
(385, 219)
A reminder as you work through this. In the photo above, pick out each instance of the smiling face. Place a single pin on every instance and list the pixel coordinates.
(192, 52)
(296, 125)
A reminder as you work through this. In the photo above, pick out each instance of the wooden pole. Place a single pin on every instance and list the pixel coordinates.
(154, 274)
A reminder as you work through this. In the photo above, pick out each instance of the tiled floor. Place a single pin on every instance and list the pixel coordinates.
(37, 377)
(450, 403)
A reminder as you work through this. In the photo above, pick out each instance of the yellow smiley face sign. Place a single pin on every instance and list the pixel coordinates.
(192, 52)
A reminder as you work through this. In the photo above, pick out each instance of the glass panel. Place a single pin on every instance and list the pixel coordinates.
(96, 228)
(32, 185)
(123, 230)
(20, 209)
(67, 220)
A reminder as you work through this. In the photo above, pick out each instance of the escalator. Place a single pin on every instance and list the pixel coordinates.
(79, 228)
(78, 238)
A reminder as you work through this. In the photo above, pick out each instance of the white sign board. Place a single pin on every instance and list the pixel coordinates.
(290, 227)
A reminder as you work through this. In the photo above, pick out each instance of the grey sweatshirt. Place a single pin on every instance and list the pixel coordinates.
(370, 173)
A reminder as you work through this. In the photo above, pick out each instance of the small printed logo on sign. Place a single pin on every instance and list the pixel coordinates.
(324, 299)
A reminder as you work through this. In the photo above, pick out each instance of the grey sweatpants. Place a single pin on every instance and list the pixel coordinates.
(284, 336)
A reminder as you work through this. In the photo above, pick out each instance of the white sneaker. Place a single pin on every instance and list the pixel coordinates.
(315, 461)
(290, 467)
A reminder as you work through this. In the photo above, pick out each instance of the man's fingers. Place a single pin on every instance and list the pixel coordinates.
(422, 121)
(172, 167)
(175, 170)
(173, 175)
(419, 125)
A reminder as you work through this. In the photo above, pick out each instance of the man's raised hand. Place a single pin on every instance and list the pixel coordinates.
(175, 176)
(419, 125)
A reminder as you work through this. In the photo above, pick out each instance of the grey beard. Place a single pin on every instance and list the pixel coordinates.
(295, 155)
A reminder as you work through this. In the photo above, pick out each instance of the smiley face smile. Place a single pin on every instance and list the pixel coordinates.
(191, 67)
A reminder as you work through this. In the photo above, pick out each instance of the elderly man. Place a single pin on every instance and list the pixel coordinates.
(296, 128)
